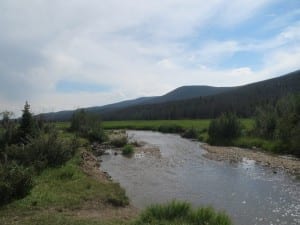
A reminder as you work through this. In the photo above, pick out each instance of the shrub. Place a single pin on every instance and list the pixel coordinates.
(181, 213)
(265, 121)
(45, 150)
(190, 133)
(281, 123)
(119, 141)
(15, 182)
(170, 128)
(87, 125)
(128, 150)
(224, 129)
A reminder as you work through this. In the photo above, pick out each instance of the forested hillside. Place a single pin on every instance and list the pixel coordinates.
(195, 101)
(242, 100)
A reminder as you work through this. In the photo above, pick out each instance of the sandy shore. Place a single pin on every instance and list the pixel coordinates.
(235, 154)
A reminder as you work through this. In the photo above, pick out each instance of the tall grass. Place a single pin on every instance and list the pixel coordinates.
(128, 150)
(176, 212)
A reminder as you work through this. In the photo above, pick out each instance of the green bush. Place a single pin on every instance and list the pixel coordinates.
(41, 152)
(265, 121)
(15, 182)
(190, 133)
(88, 126)
(280, 123)
(224, 129)
(181, 213)
(118, 200)
(170, 128)
(119, 141)
(128, 150)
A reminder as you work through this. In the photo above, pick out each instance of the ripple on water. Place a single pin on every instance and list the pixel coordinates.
(250, 193)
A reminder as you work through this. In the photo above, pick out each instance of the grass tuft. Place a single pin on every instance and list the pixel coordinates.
(175, 213)
(128, 150)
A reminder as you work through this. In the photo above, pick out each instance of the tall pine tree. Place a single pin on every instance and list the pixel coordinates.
(27, 125)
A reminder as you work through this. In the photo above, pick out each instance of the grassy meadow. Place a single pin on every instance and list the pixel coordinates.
(247, 140)
(199, 124)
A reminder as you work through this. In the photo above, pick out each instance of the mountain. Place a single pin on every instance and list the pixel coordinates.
(196, 101)
(181, 93)
(243, 100)
(187, 92)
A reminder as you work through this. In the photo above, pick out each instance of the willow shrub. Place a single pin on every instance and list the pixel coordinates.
(224, 129)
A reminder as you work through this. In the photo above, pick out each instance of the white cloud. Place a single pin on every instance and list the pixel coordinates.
(136, 47)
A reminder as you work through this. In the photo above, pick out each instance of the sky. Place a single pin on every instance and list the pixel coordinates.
(68, 54)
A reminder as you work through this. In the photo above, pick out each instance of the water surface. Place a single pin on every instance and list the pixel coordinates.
(249, 193)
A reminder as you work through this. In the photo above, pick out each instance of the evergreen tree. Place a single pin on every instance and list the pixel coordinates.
(27, 125)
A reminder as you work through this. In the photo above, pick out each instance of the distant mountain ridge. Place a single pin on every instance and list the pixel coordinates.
(196, 101)
(181, 93)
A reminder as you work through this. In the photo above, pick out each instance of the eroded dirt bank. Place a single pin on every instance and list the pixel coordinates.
(97, 209)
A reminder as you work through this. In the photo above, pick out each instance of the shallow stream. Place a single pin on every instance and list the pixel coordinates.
(251, 194)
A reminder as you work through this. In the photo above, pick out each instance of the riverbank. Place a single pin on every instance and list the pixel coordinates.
(236, 154)
(75, 193)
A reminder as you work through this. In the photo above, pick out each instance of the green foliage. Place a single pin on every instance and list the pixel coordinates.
(28, 126)
(69, 187)
(224, 129)
(118, 138)
(8, 131)
(181, 213)
(155, 124)
(170, 128)
(128, 150)
(190, 133)
(118, 198)
(119, 141)
(87, 125)
(265, 121)
(59, 218)
(15, 182)
(170, 211)
(242, 100)
(281, 124)
(41, 152)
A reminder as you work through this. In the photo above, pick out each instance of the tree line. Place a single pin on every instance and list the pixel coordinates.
(241, 100)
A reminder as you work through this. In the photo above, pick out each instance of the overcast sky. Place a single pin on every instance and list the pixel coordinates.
(68, 54)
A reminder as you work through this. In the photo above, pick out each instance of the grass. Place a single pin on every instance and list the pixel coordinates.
(127, 150)
(155, 124)
(259, 143)
(175, 213)
(199, 124)
(57, 218)
(61, 189)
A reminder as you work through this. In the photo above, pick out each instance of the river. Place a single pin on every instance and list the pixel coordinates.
(249, 193)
